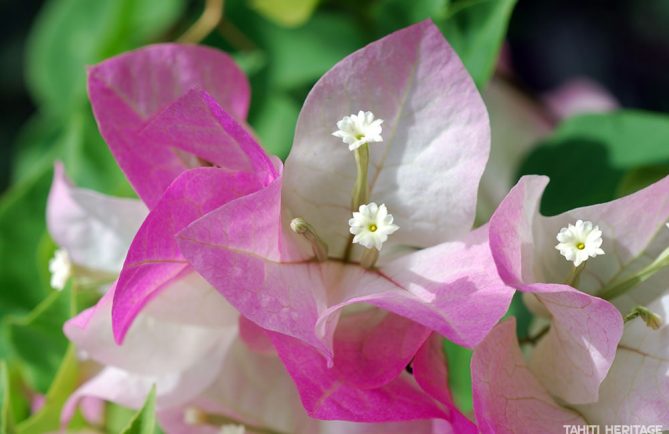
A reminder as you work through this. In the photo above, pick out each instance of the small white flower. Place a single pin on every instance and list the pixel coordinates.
(232, 429)
(60, 268)
(356, 130)
(372, 225)
(579, 242)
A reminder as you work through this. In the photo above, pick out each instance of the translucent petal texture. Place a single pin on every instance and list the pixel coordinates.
(94, 229)
(175, 352)
(149, 346)
(636, 391)
(270, 283)
(325, 395)
(436, 141)
(523, 241)
(128, 90)
(576, 354)
(154, 259)
(507, 397)
(186, 342)
(257, 389)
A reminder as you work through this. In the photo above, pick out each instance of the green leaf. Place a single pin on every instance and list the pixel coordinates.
(523, 316)
(636, 179)
(589, 157)
(144, 422)
(476, 30)
(632, 138)
(48, 418)
(288, 13)
(87, 158)
(459, 375)
(117, 417)
(4, 397)
(70, 34)
(38, 341)
(274, 122)
(22, 227)
(391, 15)
(298, 57)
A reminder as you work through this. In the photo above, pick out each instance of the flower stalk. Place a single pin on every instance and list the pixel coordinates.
(361, 189)
(614, 290)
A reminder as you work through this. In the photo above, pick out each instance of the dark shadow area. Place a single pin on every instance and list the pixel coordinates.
(622, 44)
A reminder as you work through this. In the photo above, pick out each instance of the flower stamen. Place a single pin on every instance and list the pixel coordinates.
(320, 249)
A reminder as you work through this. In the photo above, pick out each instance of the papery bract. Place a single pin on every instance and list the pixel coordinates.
(129, 90)
(507, 396)
(436, 146)
(575, 356)
(162, 111)
(232, 219)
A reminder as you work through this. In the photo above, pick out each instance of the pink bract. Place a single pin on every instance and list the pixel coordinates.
(229, 222)
(575, 356)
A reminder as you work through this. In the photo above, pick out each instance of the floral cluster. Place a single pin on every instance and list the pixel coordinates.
(313, 296)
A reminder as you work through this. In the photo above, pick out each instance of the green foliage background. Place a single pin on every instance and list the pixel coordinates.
(284, 46)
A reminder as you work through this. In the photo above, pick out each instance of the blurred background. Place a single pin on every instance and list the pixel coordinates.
(576, 89)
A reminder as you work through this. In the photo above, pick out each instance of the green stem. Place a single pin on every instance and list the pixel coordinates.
(369, 258)
(575, 275)
(612, 291)
(361, 189)
(652, 320)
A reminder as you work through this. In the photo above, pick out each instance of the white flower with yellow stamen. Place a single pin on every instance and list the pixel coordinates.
(357, 130)
(579, 242)
(371, 225)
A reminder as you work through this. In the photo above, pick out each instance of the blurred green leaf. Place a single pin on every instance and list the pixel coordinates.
(88, 160)
(70, 34)
(288, 13)
(632, 138)
(47, 419)
(4, 397)
(588, 156)
(523, 316)
(580, 173)
(298, 57)
(251, 62)
(22, 226)
(144, 422)
(636, 179)
(476, 30)
(38, 341)
(35, 147)
(274, 122)
(117, 417)
(391, 15)
(459, 375)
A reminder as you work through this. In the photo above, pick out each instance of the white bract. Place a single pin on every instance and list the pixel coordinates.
(357, 130)
(371, 225)
(579, 242)
(60, 268)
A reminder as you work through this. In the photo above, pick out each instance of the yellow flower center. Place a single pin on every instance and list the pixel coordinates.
(372, 227)
(580, 246)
